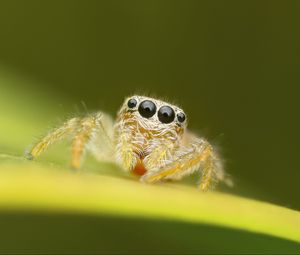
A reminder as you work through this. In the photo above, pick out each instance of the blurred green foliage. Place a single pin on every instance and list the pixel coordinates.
(77, 234)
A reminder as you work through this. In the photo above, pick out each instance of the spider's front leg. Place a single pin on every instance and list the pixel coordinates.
(83, 135)
(196, 155)
(81, 130)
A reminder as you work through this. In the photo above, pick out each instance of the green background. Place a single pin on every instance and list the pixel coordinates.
(233, 66)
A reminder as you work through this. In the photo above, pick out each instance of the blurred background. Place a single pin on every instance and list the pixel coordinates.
(233, 66)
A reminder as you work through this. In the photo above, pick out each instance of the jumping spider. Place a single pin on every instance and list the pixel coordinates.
(149, 138)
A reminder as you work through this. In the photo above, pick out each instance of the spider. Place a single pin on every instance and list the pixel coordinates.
(149, 139)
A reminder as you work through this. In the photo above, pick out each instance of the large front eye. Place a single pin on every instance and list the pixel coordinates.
(181, 117)
(166, 114)
(147, 109)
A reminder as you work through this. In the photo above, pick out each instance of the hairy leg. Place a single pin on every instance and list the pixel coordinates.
(82, 130)
(83, 135)
(68, 128)
(197, 155)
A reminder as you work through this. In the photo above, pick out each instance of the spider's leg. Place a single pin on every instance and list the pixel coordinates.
(83, 131)
(95, 133)
(82, 137)
(197, 155)
(209, 174)
(68, 128)
(159, 156)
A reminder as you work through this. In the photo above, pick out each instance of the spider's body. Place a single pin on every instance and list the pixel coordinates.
(149, 138)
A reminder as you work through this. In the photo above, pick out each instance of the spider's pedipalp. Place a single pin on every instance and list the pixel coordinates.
(159, 156)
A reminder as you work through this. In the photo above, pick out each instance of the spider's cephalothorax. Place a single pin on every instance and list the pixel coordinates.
(147, 127)
(149, 138)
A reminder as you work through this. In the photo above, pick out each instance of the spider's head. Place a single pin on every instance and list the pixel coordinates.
(153, 115)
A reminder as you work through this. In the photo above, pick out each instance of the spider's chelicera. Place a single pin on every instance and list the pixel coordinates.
(149, 138)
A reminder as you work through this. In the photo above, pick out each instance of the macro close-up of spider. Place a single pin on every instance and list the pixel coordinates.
(149, 127)
(149, 138)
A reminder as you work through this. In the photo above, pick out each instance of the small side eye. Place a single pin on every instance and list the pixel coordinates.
(131, 103)
(147, 109)
(181, 117)
(166, 114)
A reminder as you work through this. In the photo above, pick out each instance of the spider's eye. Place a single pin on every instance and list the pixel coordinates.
(131, 103)
(147, 109)
(181, 117)
(166, 114)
